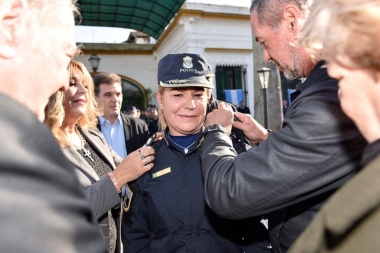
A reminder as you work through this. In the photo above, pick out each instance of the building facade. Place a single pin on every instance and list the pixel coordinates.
(221, 33)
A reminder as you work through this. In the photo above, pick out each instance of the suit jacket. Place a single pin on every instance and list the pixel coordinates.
(135, 132)
(100, 192)
(350, 220)
(42, 206)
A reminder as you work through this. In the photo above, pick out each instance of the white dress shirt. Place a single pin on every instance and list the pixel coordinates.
(114, 134)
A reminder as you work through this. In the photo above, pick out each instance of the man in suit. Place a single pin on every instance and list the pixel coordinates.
(123, 133)
(42, 207)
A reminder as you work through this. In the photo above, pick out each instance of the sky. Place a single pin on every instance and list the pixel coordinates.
(88, 34)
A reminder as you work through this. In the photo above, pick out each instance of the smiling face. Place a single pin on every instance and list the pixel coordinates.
(184, 109)
(76, 97)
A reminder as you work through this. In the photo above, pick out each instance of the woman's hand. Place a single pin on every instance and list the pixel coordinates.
(134, 165)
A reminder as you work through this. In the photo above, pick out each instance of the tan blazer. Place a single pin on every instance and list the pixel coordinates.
(350, 221)
(84, 171)
(100, 192)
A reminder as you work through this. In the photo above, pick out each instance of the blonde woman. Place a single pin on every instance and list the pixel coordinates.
(72, 117)
(169, 212)
(347, 33)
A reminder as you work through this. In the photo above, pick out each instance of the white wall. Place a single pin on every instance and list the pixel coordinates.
(222, 40)
(140, 68)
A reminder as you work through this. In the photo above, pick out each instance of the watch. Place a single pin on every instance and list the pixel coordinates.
(214, 128)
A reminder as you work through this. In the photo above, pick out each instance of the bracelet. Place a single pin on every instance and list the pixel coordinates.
(114, 181)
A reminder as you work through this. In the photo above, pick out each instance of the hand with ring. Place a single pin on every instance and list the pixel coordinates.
(134, 165)
(141, 154)
(142, 157)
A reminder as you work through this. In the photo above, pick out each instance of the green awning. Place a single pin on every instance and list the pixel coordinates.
(148, 16)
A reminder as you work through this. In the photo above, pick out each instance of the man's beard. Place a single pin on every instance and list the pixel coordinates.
(290, 74)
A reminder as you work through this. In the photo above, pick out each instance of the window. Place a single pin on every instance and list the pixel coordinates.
(230, 83)
(133, 95)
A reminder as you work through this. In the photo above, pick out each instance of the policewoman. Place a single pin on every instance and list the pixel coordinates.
(168, 212)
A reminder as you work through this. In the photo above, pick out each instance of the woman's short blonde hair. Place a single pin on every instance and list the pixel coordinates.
(55, 114)
(347, 31)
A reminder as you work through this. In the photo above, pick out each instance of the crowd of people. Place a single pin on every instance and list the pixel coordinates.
(94, 179)
(149, 116)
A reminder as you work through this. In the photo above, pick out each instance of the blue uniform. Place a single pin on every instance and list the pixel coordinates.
(169, 213)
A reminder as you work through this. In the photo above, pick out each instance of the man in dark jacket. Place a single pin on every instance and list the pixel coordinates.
(123, 133)
(291, 173)
(243, 109)
(42, 205)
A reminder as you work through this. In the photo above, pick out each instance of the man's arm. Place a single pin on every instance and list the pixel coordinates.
(316, 151)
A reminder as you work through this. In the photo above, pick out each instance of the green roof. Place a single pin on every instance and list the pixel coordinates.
(148, 16)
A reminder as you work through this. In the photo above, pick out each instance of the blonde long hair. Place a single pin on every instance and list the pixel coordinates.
(55, 113)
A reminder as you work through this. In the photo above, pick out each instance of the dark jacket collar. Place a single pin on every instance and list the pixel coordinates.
(317, 75)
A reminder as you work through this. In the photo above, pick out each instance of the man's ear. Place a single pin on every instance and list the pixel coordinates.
(12, 13)
(291, 16)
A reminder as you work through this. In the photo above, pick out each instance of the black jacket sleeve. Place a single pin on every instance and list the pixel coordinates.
(316, 151)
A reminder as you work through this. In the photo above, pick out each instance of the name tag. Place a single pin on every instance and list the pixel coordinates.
(162, 172)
